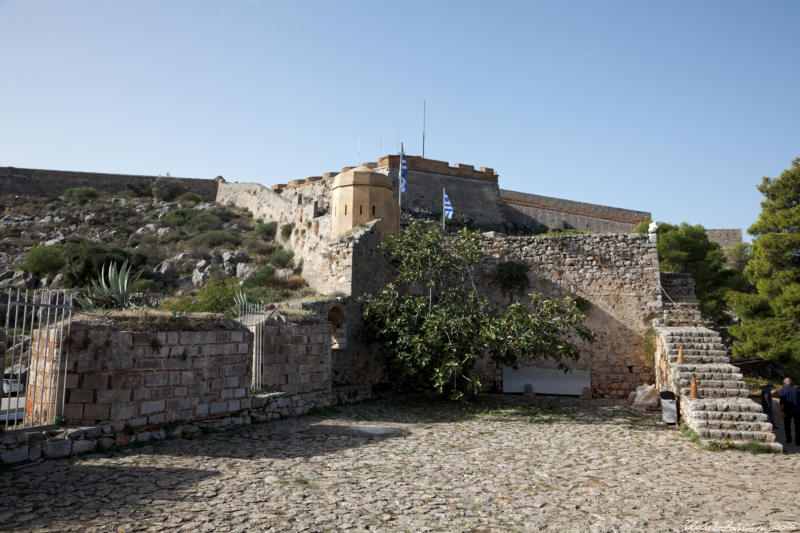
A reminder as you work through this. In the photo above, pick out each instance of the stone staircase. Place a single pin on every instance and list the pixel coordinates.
(724, 411)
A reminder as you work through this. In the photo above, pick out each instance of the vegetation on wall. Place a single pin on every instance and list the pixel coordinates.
(770, 325)
(511, 277)
(431, 323)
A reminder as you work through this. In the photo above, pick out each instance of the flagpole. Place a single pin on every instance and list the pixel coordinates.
(400, 183)
(443, 196)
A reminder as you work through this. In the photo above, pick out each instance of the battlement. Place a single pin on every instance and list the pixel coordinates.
(433, 166)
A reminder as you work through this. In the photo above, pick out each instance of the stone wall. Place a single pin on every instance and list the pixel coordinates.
(296, 358)
(616, 274)
(726, 238)
(139, 379)
(37, 182)
(679, 300)
(263, 203)
(525, 209)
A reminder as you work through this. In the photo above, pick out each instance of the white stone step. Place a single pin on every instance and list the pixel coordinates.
(708, 376)
(699, 359)
(737, 405)
(733, 425)
(712, 383)
(717, 393)
(714, 368)
(744, 416)
(775, 447)
(732, 434)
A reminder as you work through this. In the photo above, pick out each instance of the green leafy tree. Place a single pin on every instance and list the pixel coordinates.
(770, 325)
(432, 323)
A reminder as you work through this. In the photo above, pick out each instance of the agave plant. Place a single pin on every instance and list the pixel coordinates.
(111, 290)
(241, 304)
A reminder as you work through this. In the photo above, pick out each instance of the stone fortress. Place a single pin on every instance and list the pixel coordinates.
(334, 223)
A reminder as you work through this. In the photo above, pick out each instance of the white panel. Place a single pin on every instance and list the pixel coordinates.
(546, 380)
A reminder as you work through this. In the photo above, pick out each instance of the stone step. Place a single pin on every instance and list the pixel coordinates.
(744, 416)
(723, 405)
(703, 350)
(735, 425)
(708, 376)
(699, 359)
(692, 337)
(717, 393)
(707, 368)
(732, 434)
(775, 447)
(712, 383)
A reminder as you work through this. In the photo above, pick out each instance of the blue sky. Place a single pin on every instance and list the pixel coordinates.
(678, 108)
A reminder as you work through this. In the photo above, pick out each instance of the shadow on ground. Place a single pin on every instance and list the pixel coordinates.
(53, 492)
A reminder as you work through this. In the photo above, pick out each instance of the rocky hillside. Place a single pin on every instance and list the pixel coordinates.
(175, 247)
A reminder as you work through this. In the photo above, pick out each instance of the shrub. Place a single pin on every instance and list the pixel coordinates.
(143, 285)
(219, 296)
(166, 189)
(286, 231)
(190, 197)
(216, 238)
(194, 220)
(80, 194)
(267, 230)
(112, 290)
(84, 261)
(281, 258)
(43, 259)
(260, 278)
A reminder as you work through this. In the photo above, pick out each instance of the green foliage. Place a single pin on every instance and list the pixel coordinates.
(432, 324)
(142, 285)
(190, 197)
(512, 277)
(689, 433)
(286, 231)
(80, 195)
(112, 290)
(267, 230)
(281, 258)
(219, 296)
(166, 189)
(215, 238)
(193, 220)
(738, 256)
(261, 278)
(649, 348)
(85, 261)
(770, 326)
(42, 260)
(686, 249)
(642, 227)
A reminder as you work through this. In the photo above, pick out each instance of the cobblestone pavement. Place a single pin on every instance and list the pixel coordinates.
(503, 464)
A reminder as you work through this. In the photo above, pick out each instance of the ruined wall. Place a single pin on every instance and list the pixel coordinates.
(679, 300)
(726, 238)
(265, 204)
(141, 379)
(37, 182)
(617, 274)
(525, 208)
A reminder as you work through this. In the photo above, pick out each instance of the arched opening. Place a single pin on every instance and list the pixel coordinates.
(338, 329)
(373, 210)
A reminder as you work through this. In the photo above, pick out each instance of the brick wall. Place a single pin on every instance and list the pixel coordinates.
(296, 358)
(37, 182)
(617, 274)
(142, 379)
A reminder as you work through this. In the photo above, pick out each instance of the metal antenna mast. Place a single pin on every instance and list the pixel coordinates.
(423, 128)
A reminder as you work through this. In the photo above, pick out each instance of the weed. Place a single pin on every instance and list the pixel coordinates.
(689, 433)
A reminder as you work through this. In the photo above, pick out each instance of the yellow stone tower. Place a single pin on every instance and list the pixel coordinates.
(360, 195)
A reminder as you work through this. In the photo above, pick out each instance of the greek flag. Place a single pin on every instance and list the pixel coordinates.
(403, 172)
(448, 207)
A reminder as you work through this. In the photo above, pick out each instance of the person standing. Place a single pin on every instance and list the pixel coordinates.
(766, 402)
(790, 406)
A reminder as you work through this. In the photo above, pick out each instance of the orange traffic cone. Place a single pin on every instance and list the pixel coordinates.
(680, 355)
(694, 393)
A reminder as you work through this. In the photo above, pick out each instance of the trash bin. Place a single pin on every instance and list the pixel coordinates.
(669, 411)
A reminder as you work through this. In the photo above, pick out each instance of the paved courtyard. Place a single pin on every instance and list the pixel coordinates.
(503, 464)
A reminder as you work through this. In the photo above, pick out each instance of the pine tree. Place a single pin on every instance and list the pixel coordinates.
(770, 326)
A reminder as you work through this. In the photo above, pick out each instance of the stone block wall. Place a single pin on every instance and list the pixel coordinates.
(296, 358)
(526, 209)
(139, 379)
(616, 274)
(726, 238)
(37, 182)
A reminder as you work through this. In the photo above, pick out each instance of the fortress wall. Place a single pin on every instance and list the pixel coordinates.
(726, 238)
(36, 182)
(525, 208)
(617, 274)
(318, 191)
(474, 198)
(262, 202)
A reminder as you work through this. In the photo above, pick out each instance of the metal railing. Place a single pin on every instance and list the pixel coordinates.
(34, 359)
(254, 316)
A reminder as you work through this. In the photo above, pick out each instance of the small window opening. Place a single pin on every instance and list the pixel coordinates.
(373, 210)
(361, 210)
(345, 209)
